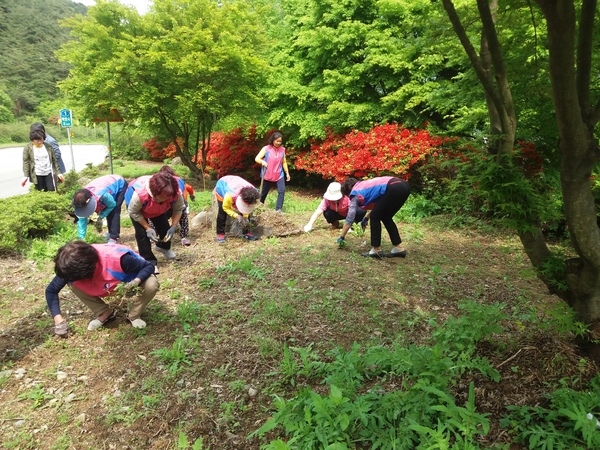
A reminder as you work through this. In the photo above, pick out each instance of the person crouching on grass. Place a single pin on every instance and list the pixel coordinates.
(93, 272)
(334, 208)
(237, 198)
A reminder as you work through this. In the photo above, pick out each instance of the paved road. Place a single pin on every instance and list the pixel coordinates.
(11, 168)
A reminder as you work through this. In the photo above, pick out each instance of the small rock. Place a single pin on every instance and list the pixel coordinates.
(69, 398)
(83, 378)
(142, 357)
(19, 423)
(60, 376)
(80, 418)
(252, 392)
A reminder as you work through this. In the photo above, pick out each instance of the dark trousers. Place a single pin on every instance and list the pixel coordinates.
(332, 216)
(113, 220)
(45, 183)
(395, 196)
(161, 225)
(222, 219)
(266, 187)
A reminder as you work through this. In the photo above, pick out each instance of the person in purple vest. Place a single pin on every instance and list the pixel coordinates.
(273, 168)
(151, 197)
(103, 195)
(93, 272)
(237, 198)
(382, 197)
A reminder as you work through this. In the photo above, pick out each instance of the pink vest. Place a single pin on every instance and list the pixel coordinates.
(232, 185)
(108, 272)
(150, 207)
(106, 183)
(274, 158)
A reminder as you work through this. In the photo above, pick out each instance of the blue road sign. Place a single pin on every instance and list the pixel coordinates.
(66, 120)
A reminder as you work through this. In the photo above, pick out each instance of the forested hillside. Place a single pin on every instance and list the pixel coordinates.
(29, 35)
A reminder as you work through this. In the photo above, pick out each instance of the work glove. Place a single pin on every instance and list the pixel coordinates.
(151, 233)
(307, 228)
(193, 198)
(99, 224)
(341, 242)
(244, 222)
(169, 235)
(130, 289)
(62, 329)
(364, 222)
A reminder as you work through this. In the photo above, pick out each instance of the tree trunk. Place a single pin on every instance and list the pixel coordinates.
(577, 147)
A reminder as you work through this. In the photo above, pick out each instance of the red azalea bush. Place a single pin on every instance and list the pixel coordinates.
(385, 149)
(529, 159)
(233, 153)
(156, 149)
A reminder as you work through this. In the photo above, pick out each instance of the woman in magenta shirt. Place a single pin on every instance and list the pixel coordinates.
(273, 168)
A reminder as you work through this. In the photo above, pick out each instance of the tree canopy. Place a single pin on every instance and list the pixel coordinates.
(175, 70)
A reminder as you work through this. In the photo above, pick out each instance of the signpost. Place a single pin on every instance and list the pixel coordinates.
(66, 121)
(108, 115)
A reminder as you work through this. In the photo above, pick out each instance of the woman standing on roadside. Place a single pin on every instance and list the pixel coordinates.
(273, 168)
(40, 165)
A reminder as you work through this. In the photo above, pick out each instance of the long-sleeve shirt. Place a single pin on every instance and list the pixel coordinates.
(110, 203)
(54, 144)
(129, 263)
(135, 207)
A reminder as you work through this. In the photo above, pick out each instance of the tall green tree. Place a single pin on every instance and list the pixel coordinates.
(570, 33)
(175, 71)
(356, 63)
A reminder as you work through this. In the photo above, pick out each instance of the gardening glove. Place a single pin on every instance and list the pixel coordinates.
(151, 233)
(341, 242)
(193, 198)
(98, 224)
(307, 228)
(62, 329)
(364, 222)
(169, 235)
(24, 182)
(244, 223)
(130, 289)
(61, 178)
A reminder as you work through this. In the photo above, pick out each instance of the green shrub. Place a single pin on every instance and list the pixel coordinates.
(34, 215)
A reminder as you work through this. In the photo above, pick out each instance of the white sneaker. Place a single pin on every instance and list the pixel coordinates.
(137, 323)
(169, 254)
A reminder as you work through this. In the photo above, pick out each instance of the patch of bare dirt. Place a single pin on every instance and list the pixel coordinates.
(302, 291)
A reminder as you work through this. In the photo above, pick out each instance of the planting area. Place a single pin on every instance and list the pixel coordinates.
(235, 325)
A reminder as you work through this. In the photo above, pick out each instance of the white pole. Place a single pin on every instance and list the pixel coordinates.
(71, 145)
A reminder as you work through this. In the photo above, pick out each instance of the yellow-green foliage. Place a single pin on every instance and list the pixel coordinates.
(29, 216)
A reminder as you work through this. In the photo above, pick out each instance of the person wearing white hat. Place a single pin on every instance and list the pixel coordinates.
(334, 207)
(237, 198)
(103, 195)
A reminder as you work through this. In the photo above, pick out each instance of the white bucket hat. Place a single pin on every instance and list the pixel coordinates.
(244, 207)
(334, 192)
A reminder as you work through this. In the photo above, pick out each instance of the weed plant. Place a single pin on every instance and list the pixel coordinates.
(388, 398)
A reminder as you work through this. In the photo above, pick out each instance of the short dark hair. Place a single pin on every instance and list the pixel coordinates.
(75, 261)
(347, 185)
(36, 134)
(81, 197)
(249, 195)
(38, 126)
(275, 136)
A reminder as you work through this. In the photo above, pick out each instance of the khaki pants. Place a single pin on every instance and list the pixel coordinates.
(148, 290)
